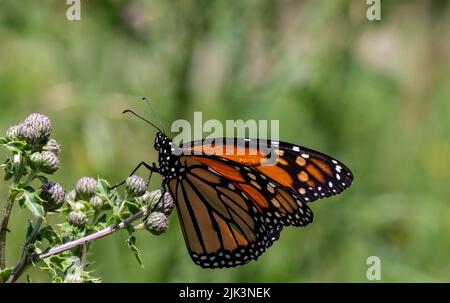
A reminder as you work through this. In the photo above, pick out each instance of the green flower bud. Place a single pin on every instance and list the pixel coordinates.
(53, 194)
(46, 162)
(96, 202)
(11, 133)
(156, 223)
(52, 146)
(78, 206)
(154, 198)
(135, 186)
(77, 218)
(145, 199)
(71, 197)
(73, 278)
(86, 188)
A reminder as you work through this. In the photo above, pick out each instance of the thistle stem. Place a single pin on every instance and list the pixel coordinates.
(7, 208)
(92, 237)
(24, 259)
(4, 227)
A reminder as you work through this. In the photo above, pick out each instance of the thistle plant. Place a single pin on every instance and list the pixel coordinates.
(91, 210)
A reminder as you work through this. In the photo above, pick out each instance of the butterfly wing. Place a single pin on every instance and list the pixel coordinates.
(230, 214)
(310, 174)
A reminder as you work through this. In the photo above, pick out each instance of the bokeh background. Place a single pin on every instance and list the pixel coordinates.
(374, 94)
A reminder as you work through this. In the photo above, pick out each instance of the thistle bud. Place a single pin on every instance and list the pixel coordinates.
(53, 194)
(35, 129)
(71, 197)
(168, 204)
(153, 198)
(46, 162)
(156, 223)
(78, 206)
(41, 123)
(135, 186)
(96, 202)
(162, 204)
(86, 188)
(28, 133)
(77, 218)
(11, 133)
(145, 199)
(52, 146)
(73, 278)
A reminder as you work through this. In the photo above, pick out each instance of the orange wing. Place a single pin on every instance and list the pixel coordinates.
(310, 174)
(230, 215)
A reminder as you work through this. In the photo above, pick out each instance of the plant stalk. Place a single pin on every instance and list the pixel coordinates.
(24, 259)
(4, 227)
(7, 208)
(92, 237)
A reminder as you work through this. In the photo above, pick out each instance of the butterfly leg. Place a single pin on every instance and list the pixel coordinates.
(152, 168)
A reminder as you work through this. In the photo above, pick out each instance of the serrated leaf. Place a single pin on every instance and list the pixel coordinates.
(15, 146)
(131, 242)
(8, 168)
(59, 262)
(102, 219)
(8, 176)
(4, 274)
(132, 206)
(49, 234)
(103, 187)
(111, 220)
(30, 201)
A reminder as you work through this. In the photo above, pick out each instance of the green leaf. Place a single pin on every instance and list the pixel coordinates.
(103, 187)
(30, 201)
(59, 262)
(102, 219)
(16, 146)
(132, 206)
(43, 179)
(131, 241)
(29, 229)
(4, 274)
(49, 234)
(8, 168)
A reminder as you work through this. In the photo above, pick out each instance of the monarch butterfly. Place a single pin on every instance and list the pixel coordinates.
(232, 206)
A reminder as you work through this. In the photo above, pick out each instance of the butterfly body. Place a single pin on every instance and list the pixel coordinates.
(233, 197)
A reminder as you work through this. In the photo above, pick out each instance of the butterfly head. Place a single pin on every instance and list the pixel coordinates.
(160, 141)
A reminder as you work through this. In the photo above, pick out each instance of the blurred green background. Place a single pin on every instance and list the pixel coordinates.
(373, 94)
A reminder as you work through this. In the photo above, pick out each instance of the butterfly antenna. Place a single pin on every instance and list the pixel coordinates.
(140, 117)
(145, 99)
